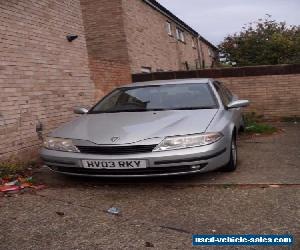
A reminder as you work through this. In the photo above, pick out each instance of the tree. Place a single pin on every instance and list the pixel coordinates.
(262, 42)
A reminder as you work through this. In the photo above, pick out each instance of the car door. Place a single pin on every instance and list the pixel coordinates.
(234, 115)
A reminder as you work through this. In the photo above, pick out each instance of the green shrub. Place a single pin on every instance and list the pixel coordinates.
(260, 128)
(254, 124)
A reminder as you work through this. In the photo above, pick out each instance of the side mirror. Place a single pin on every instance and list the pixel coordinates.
(80, 111)
(238, 104)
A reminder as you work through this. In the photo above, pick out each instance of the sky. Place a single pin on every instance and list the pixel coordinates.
(214, 19)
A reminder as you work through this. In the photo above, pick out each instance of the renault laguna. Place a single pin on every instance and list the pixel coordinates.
(154, 128)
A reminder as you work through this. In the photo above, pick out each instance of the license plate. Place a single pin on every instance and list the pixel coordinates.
(118, 164)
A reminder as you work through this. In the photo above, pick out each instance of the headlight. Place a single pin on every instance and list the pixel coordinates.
(188, 141)
(60, 144)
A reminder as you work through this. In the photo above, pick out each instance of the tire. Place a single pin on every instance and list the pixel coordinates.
(232, 164)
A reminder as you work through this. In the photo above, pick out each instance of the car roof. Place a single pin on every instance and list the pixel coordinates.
(166, 82)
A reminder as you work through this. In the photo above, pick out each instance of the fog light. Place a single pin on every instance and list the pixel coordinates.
(198, 167)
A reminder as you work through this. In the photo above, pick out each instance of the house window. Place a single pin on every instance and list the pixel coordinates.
(180, 35)
(169, 28)
(146, 70)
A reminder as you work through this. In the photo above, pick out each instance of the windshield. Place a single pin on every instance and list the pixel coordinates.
(158, 97)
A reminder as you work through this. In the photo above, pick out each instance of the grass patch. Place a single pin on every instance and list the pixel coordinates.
(10, 168)
(260, 128)
(254, 125)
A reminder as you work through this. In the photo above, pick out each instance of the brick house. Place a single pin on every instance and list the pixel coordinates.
(134, 36)
(43, 76)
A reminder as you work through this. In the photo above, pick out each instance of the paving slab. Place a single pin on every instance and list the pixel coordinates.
(74, 218)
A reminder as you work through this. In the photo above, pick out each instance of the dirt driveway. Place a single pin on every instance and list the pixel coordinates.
(261, 197)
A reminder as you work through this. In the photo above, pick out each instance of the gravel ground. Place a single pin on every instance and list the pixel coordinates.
(261, 197)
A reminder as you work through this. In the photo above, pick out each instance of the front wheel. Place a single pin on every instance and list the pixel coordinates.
(232, 164)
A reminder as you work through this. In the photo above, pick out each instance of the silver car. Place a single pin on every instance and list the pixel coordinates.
(154, 128)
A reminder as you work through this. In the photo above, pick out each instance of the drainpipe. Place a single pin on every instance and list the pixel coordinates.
(198, 52)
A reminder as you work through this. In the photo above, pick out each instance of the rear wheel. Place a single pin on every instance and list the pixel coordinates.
(232, 164)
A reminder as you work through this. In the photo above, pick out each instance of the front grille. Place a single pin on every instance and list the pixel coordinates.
(116, 150)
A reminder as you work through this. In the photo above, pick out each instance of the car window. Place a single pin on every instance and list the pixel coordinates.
(224, 95)
(158, 97)
(227, 92)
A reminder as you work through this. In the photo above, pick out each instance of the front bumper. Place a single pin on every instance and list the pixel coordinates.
(167, 163)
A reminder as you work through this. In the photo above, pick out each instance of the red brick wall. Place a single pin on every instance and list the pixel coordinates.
(104, 27)
(106, 43)
(274, 91)
(42, 75)
(107, 75)
(273, 96)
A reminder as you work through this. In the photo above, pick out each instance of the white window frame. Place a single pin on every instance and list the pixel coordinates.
(169, 28)
(180, 35)
(146, 70)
